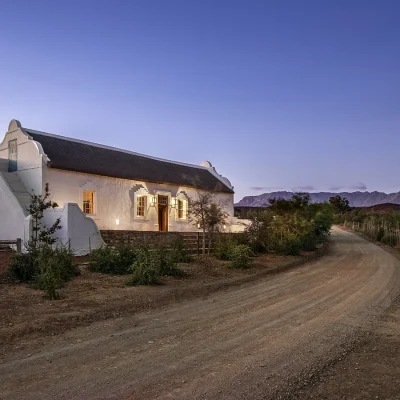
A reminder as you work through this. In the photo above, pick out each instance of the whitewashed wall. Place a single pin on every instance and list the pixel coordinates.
(30, 157)
(115, 199)
(77, 230)
(11, 214)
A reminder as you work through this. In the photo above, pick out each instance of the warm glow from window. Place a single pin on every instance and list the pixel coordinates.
(88, 201)
(141, 206)
(181, 209)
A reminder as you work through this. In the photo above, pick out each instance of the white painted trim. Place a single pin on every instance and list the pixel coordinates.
(88, 186)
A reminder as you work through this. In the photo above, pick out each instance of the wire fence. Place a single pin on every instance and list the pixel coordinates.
(383, 231)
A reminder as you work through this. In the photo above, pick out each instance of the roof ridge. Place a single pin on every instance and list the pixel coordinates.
(102, 146)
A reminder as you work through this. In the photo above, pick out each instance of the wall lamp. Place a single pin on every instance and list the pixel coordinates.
(153, 201)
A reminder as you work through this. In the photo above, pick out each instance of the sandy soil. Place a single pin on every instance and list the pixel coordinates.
(369, 370)
(263, 340)
(5, 257)
(28, 316)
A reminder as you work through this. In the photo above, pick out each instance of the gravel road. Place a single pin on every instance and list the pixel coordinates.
(259, 341)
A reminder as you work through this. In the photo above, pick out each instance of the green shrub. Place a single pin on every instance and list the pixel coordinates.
(64, 259)
(126, 257)
(23, 266)
(145, 271)
(290, 226)
(390, 240)
(178, 253)
(48, 278)
(223, 250)
(240, 256)
(380, 234)
(149, 266)
(309, 242)
(116, 261)
(55, 267)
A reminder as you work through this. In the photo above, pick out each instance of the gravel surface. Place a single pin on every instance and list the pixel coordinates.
(263, 340)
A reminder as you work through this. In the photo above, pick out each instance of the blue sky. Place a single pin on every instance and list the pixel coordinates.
(276, 94)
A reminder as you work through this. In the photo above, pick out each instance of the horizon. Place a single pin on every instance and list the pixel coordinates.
(314, 106)
(323, 191)
(320, 193)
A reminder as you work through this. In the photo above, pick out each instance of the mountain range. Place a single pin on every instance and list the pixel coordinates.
(356, 199)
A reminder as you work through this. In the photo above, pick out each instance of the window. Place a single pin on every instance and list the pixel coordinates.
(88, 201)
(181, 209)
(12, 155)
(141, 206)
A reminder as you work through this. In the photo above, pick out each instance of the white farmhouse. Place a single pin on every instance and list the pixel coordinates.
(99, 187)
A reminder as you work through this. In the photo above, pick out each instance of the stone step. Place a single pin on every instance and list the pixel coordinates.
(10, 177)
(3, 165)
(17, 187)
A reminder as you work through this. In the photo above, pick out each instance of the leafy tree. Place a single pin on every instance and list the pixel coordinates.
(340, 204)
(206, 214)
(296, 203)
(216, 218)
(289, 226)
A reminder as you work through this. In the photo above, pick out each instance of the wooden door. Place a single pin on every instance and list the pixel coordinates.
(162, 213)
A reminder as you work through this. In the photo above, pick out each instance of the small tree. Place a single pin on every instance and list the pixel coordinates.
(28, 266)
(40, 233)
(216, 218)
(206, 214)
(340, 204)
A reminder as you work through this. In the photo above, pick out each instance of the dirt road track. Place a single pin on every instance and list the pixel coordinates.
(254, 342)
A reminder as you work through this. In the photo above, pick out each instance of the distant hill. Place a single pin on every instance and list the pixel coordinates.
(356, 199)
(383, 208)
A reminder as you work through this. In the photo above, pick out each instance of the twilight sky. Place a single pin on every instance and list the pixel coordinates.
(276, 94)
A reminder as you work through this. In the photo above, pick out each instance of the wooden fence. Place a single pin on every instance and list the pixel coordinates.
(192, 241)
(17, 243)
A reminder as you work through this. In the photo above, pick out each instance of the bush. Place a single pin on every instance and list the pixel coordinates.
(49, 276)
(23, 266)
(380, 234)
(178, 253)
(144, 271)
(240, 256)
(223, 250)
(290, 226)
(64, 259)
(116, 261)
(149, 266)
(26, 267)
(390, 240)
(55, 267)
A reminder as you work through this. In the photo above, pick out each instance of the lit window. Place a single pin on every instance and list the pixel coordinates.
(181, 209)
(88, 201)
(141, 206)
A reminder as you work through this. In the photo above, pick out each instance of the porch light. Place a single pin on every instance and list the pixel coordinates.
(153, 201)
(173, 202)
(224, 227)
(198, 226)
(117, 221)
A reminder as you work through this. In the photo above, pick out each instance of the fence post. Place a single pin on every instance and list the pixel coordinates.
(198, 244)
(90, 246)
(19, 245)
